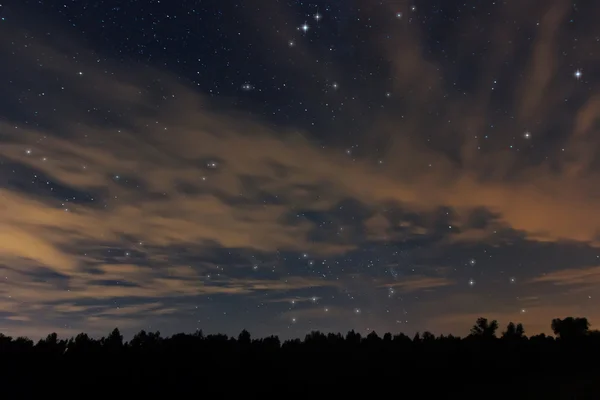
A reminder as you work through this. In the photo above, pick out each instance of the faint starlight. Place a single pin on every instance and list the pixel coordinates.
(334, 85)
(398, 15)
(471, 282)
(472, 261)
(318, 17)
(247, 87)
(291, 43)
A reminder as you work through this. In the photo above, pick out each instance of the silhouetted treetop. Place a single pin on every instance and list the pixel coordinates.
(570, 328)
(484, 328)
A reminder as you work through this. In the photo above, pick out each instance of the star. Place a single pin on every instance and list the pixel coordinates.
(471, 282)
(291, 43)
(305, 27)
(318, 17)
(527, 135)
(577, 74)
(398, 15)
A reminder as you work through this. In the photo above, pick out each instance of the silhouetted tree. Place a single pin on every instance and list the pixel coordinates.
(114, 341)
(353, 338)
(514, 331)
(484, 328)
(428, 337)
(570, 328)
(244, 337)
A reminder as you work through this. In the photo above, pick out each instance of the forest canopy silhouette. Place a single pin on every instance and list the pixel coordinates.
(485, 336)
(559, 366)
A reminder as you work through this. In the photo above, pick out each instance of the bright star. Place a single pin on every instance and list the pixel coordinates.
(305, 27)
(318, 17)
(577, 74)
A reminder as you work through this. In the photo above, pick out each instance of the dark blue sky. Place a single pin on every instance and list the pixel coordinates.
(288, 166)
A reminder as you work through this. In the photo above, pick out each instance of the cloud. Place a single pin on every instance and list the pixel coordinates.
(583, 277)
(418, 283)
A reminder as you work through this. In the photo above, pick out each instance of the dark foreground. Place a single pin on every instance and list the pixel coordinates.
(480, 366)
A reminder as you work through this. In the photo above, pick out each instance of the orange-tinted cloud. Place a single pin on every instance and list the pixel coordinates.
(583, 277)
(414, 284)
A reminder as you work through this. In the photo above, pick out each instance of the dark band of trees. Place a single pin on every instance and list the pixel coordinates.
(566, 330)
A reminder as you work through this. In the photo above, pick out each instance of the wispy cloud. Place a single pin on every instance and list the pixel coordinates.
(417, 283)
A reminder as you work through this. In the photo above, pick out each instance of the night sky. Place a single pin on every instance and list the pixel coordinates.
(286, 166)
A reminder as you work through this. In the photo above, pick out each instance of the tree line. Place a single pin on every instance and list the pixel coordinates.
(484, 332)
(489, 362)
